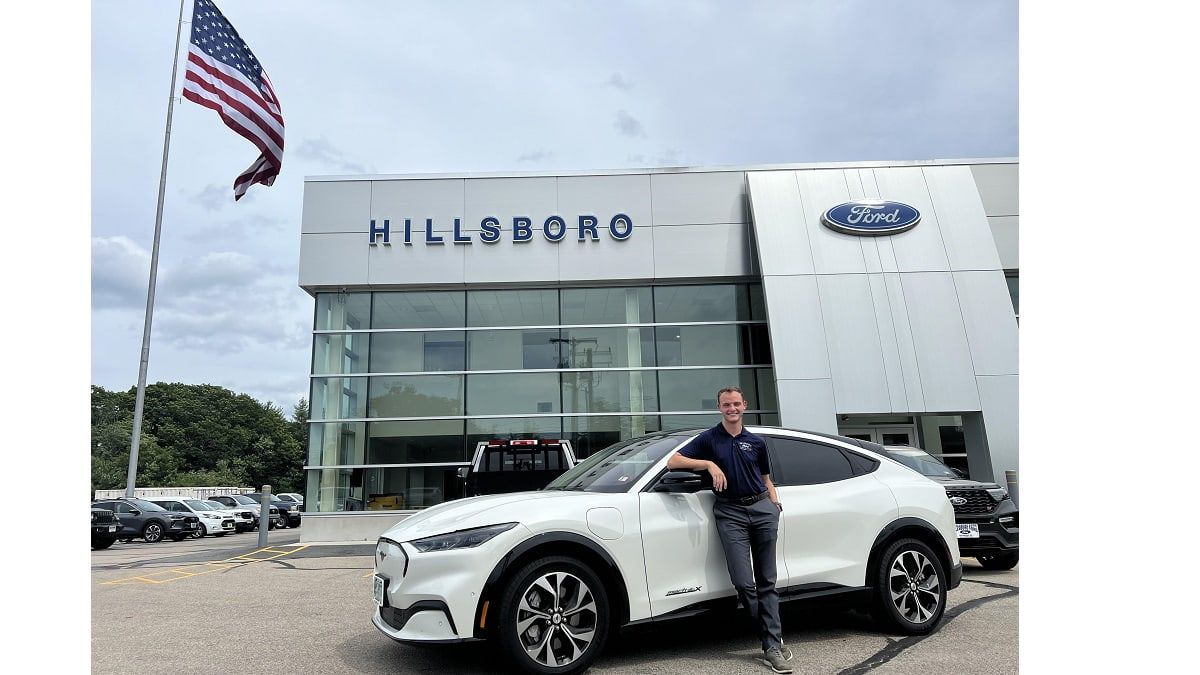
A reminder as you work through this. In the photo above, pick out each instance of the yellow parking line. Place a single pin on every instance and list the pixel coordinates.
(216, 565)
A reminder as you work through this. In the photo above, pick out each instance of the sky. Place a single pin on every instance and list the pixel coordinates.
(456, 87)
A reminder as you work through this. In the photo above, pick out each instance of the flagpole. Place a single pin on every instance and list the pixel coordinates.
(145, 357)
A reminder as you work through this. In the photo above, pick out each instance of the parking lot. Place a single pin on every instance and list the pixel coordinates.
(226, 605)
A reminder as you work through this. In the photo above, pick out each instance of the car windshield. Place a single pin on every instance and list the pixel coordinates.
(921, 462)
(617, 467)
(145, 505)
(286, 498)
(197, 504)
(216, 506)
(242, 499)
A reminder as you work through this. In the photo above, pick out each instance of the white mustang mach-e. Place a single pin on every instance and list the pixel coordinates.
(621, 540)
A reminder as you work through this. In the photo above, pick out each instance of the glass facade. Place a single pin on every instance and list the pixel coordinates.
(405, 383)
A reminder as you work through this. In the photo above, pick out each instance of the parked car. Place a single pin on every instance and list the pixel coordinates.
(149, 521)
(621, 540)
(515, 465)
(104, 528)
(243, 518)
(289, 509)
(293, 497)
(211, 522)
(274, 518)
(987, 519)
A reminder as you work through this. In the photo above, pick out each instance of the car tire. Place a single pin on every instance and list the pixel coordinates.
(101, 544)
(910, 588)
(554, 616)
(200, 532)
(152, 532)
(1005, 560)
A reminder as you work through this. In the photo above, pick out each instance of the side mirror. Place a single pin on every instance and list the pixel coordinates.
(135, 512)
(679, 481)
(462, 471)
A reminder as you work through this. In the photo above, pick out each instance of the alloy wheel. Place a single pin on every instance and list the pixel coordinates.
(914, 586)
(153, 533)
(556, 619)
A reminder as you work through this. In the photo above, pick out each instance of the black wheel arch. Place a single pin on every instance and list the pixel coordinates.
(908, 527)
(542, 546)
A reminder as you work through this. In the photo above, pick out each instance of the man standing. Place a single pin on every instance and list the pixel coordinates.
(746, 512)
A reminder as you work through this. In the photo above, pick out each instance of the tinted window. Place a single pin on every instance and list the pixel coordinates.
(801, 462)
(120, 507)
(861, 464)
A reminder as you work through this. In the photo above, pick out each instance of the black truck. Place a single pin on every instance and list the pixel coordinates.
(516, 465)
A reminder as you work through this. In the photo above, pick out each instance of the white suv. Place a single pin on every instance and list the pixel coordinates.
(620, 540)
(211, 522)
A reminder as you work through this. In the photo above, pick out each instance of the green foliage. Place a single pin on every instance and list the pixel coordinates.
(197, 434)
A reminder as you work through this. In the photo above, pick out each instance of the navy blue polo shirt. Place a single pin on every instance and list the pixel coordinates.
(743, 459)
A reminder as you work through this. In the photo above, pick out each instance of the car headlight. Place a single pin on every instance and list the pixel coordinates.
(212, 516)
(460, 539)
(999, 494)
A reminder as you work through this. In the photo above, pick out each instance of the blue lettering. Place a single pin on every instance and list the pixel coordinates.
(385, 231)
(490, 230)
(408, 232)
(588, 224)
(624, 222)
(458, 238)
(522, 229)
(430, 237)
(555, 221)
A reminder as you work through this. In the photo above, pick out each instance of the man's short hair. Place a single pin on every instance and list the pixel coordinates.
(730, 390)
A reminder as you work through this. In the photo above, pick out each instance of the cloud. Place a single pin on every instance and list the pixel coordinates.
(213, 197)
(628, 126)
(615, 80)
(231, 232)
(321, 150)
(120, 273)
(536, 156)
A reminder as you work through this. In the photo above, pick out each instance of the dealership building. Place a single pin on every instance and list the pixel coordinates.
(875, 299)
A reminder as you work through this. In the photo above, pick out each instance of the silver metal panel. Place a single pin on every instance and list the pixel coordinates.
(796, 326)
(943, 355)
(832, 252)
(690, 251)
(1000, 398)
(327, 259)
(920, 249)
(860, 384)
(414, 264)
(604, 197)
(441, 200)
(807, 405)
(905, 346)
(534, 260)
(700, 198)
(889, 347)
(779, 230)
(504, 198)
(991, 325)
(608, 258)
(1006, 235)
(336, 207)
(999, 187)
(965, 231)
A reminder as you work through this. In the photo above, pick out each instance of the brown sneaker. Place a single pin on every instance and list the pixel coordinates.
(787, 653)
(773, 658)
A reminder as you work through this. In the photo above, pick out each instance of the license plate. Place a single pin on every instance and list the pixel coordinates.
(377, 588)
(968, 530)
(191, 526)
(112, 528)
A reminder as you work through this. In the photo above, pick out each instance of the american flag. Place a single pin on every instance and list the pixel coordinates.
(223, 74)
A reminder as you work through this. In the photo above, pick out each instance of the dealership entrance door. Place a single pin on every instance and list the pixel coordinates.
(898, 435)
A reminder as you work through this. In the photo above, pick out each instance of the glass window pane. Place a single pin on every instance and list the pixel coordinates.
(674, 422)
(590, 434)
(1014, 291)
(758, 303)
(724, 302)
(382, 489)
(336, 443)
(512, 394)
(767, 400)
(606, 305)
(513, 349)
(415, 442)
(608, 347)
(418, 352)
(343, 311)
(769, 419)
(338, 397)
(512, 308)
(512, 427)
(699, 345)
(756, 345)
(697, 389)
(416, 309)
(803, 462)
(416, 396)
(340, 353)
(595, 392)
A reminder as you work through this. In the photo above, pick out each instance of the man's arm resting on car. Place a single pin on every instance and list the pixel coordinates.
(678, 461)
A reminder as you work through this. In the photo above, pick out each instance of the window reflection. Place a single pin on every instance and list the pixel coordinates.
(606, 305)
(340, 353)
(381, 489)
(512, 394)
(343, 311)
(591, 434)
(697, 389)
(724, 302)
(415, 309)
(336, 443)
(338, 398)
(607, 347)
(418, 352)
(621, 391)
(415, 442)
(416, 396)
(512, 308)
(513, 349)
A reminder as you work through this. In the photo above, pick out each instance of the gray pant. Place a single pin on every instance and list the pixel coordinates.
(746, 532)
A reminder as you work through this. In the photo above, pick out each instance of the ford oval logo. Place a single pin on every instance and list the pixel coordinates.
(958, 501)
(871, 217)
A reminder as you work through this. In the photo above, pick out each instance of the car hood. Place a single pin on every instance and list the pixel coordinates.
(962, 483)
(462, 514)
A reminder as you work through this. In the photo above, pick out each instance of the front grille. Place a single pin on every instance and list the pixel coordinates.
(979, 502)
